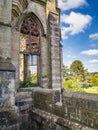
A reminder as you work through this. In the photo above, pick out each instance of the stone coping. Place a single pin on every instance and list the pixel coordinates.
(6, 65)
(38, 89)
(58, 120)
(81, 95)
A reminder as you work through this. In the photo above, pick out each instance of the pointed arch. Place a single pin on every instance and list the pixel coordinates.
(38, 21)
(30, 35)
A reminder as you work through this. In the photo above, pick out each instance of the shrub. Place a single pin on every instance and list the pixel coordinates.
(29, 82)
(72, 85)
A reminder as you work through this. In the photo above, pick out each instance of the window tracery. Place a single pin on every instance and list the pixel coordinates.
(30, 36)
(29, 49)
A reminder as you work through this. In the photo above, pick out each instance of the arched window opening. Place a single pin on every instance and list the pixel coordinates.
(29, 50)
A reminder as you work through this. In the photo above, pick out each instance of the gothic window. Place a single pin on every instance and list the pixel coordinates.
(29, 36)
(29, 49)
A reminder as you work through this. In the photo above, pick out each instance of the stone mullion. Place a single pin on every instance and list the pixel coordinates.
(44, 64)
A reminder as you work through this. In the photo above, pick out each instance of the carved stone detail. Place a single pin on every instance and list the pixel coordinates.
(29, 42)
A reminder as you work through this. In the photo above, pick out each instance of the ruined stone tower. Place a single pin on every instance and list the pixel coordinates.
(30, 29)
(30, 44)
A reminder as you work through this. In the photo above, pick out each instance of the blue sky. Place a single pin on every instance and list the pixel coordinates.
(79, 29)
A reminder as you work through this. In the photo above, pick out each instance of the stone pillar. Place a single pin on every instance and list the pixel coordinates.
(55, 58)
(15, 41)
(9, 38)
(44, 63)
(5, 27)
(61, 55)
(5, 11)
(7, 83)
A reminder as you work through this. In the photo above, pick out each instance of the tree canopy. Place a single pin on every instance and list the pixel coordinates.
(77, 67)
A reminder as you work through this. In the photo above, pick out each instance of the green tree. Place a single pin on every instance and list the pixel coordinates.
(85, 79)
(80, 73)
(77, 68)
(95, 79)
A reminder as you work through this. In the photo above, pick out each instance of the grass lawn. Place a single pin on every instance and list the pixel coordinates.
(93, 90)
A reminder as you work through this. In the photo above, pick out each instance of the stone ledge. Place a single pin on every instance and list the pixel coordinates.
(5, 24)
(45, 116)
(80, 95)
(6, 65)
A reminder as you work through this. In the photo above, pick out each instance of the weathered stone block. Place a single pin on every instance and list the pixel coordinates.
(7, 83)
(5, 11)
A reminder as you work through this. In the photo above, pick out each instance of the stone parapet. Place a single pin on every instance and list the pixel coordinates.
(48, 121)
(82, 108)
(45, 99)
(77, 111)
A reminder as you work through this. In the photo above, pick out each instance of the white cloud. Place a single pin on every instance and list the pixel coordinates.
(94, 36)
(93, 61)
(92, 67)
(71, 4)
(76, 22)
(90, 52)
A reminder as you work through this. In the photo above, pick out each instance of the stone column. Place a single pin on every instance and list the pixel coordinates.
(44, 63)
(61, 55)
(5, 11)
(55, 58)
(5, 28)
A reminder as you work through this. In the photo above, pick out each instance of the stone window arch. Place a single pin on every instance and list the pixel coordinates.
(29, 49)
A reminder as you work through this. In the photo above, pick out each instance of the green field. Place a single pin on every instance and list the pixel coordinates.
(73, 85)
(93, 90)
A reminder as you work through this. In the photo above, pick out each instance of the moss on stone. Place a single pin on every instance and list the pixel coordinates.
(10, 116)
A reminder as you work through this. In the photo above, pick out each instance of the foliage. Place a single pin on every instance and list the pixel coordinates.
(8, 114)
(72, 85)
(29, 82)
(95, 79)
(77, 67)
(77, 78)
(81, 73)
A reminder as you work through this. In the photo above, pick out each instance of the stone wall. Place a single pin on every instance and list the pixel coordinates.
(46, 15)
(8, 119)
(49, 62)
(8, 116)
(77, 111)
(82, 108)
